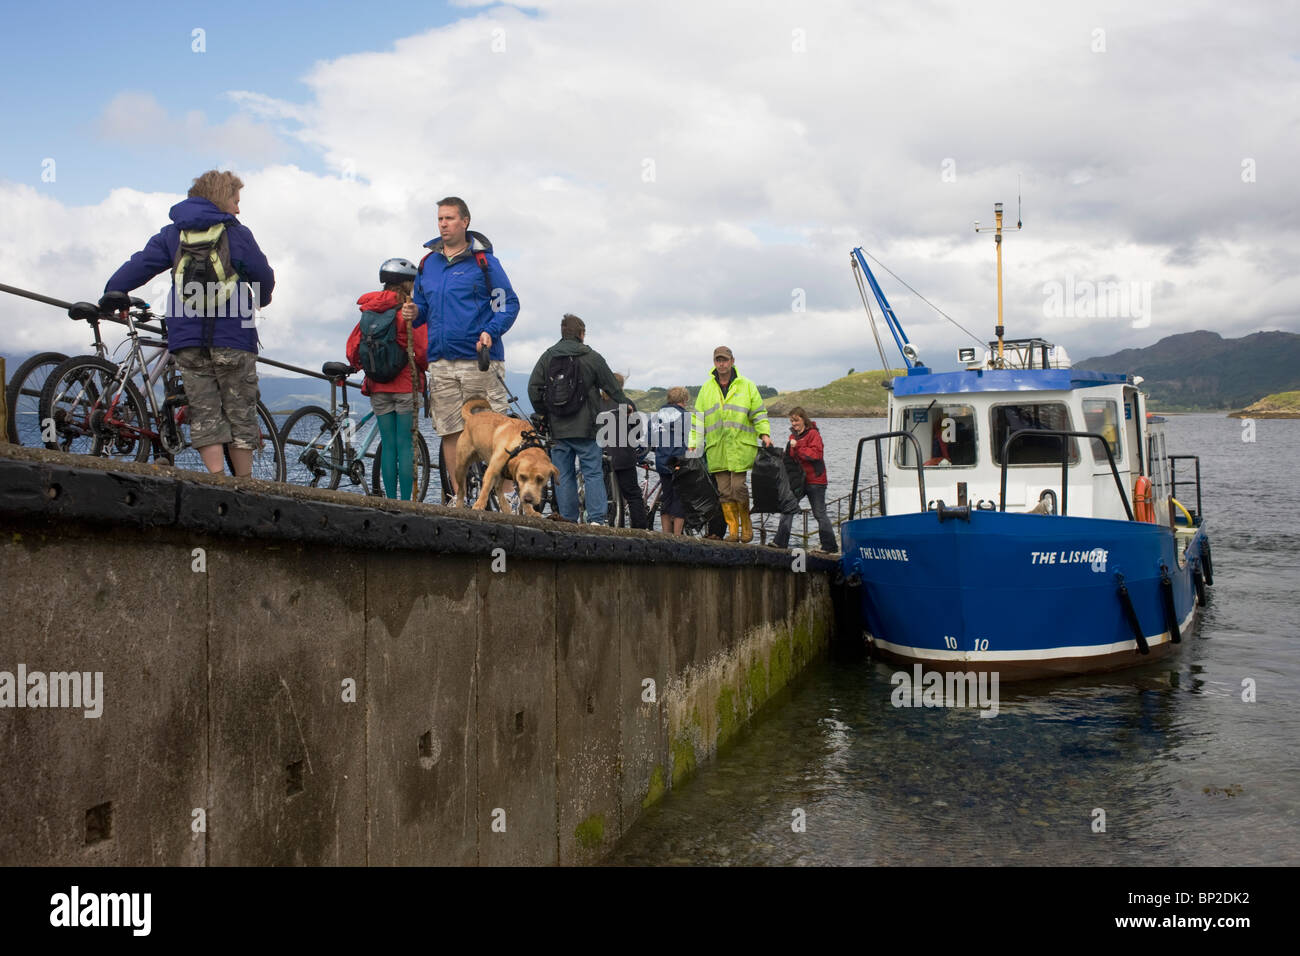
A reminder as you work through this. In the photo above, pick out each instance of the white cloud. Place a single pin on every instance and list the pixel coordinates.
(137, 120)
(768, 166)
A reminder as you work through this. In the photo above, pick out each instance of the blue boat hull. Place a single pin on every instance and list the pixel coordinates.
(1026, 596)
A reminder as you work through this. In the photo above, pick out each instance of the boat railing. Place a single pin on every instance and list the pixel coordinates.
(880, 469)
(1065, 464)
(1174, 482)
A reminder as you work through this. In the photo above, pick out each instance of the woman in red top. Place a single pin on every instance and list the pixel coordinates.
(393, 402)
(805, 446)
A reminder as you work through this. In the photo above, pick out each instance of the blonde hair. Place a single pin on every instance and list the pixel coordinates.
(678, 395)
(404, 290)
(217, 186)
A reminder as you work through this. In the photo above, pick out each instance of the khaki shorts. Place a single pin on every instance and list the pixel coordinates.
(455, 382)
(382, 403)
(222, 393)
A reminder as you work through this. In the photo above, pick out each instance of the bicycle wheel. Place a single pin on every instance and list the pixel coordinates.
(616, 511)
(23, 397)
(308, 442)
(268, 459)
(652, 493)
(79, 397)
(421, 469)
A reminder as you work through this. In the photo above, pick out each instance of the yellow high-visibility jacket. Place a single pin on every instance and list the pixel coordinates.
(730, 425)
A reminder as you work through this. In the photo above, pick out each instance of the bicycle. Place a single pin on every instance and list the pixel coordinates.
(651, 483)
(90, 405)
(323, 448)
(23, 397)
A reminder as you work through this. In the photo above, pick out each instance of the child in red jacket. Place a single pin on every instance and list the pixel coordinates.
(805, 446)
(394, 401)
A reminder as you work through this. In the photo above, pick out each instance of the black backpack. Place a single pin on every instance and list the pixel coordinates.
(381, 357)
(566, 392)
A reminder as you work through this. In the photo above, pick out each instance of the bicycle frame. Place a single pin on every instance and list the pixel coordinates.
(346, 432)
(352, 451)
(127, 369)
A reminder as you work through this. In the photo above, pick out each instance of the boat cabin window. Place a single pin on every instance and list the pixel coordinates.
(1102, 416)
(946, 434)
(1032, 450)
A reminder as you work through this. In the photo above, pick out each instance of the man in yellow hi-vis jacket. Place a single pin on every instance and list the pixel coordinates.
(730, 416)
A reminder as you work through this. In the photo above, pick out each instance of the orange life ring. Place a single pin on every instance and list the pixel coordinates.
(1143, 507)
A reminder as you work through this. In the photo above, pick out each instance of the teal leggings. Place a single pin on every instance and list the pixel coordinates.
(396, 462)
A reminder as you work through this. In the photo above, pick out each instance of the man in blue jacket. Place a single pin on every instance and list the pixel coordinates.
(465, 297)
(220, 278)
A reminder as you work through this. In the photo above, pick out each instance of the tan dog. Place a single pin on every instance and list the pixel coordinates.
(492, 438)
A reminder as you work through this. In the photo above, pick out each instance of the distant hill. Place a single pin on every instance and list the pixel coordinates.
(1281, 405)
(860, 395)
(1199, 371)
(653, 399)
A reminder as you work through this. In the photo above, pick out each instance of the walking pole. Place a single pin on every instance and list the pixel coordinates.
(415, 409)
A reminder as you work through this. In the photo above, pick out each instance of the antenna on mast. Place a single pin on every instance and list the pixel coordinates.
(996, 229)
(1018, 222)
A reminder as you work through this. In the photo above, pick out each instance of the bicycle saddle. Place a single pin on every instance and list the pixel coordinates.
(336, 369)
(83, 312)
(114, 302)
(141, 304)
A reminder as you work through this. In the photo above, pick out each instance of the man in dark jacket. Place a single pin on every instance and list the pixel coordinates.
(211, 328)
(575, 432)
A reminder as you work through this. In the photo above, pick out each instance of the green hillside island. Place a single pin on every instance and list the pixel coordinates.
(1281, 405)
(1203, 371)
(653, 399)
(856, 395)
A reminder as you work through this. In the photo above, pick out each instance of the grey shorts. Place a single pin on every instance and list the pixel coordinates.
(383, 403)
(222, 393)
(455, 382)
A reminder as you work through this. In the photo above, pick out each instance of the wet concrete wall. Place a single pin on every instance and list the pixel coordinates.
(300, 678)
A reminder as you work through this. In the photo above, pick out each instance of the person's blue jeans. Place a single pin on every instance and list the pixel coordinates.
(588, 454)
(825, 530)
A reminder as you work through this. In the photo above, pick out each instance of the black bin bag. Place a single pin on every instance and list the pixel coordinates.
(794, 471)
(772, 493)
(696, 492)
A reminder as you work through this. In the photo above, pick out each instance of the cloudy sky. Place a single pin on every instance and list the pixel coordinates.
(680, 174)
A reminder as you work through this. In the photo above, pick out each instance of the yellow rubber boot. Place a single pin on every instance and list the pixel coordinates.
(746, 529)
(731, 511)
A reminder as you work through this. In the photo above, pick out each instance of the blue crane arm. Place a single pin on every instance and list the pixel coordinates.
(891, 319)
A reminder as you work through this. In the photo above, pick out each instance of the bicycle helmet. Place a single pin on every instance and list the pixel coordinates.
(397, 270)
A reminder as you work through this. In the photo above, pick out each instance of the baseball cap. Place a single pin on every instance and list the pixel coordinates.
(723, 350)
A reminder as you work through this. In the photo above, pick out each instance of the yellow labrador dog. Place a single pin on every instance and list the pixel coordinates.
(499, 440)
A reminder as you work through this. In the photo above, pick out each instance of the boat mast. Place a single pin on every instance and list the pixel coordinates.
(997, 241)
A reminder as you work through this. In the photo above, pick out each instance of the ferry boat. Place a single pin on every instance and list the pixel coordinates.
(1029, 522)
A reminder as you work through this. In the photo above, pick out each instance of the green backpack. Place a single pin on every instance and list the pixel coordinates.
(202, 272)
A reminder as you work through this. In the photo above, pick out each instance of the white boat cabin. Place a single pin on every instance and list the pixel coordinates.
(961, 421)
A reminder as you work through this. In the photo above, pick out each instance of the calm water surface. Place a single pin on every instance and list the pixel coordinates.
(1186, 772)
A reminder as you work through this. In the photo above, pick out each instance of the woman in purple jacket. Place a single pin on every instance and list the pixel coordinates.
(220, 278)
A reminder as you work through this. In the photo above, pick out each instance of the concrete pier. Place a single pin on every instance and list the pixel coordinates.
(293, 676)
